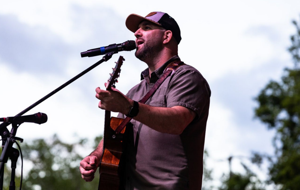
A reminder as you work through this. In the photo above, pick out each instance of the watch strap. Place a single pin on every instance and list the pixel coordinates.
(134, 110)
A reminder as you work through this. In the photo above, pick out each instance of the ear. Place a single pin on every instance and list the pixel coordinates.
(167, 36)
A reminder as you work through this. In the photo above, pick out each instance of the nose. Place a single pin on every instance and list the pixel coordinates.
(138, 33)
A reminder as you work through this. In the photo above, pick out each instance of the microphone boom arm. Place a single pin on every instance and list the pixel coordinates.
(104, 58)
(4, 133)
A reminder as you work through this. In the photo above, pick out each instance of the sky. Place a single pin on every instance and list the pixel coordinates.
(238, 46)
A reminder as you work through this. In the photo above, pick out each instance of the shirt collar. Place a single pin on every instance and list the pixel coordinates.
(157, 73)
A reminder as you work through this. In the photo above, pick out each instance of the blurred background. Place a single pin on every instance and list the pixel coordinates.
(238, 46)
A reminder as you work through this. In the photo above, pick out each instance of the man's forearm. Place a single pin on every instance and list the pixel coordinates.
(166, 120)
(98, 152)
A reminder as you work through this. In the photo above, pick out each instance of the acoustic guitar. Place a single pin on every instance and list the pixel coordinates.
(110, 167)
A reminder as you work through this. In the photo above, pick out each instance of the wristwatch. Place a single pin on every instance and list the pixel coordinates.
(134, 110)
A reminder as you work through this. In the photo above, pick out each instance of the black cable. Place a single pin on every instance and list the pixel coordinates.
(21, 180)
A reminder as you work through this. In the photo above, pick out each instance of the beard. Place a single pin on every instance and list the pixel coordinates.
(148, 51)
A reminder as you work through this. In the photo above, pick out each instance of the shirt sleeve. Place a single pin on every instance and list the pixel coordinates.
(189, 89)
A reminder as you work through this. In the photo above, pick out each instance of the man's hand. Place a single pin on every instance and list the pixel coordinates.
(113, 100)
(88, 167)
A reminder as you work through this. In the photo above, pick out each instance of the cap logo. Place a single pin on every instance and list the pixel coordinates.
(151, 14)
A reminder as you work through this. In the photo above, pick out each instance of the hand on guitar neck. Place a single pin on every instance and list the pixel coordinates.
(113, 100)
(110, 98)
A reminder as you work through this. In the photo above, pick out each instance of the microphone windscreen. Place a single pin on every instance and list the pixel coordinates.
(129, 45)
(41, 118)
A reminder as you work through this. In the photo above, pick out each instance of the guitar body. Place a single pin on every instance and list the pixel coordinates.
(110, 167)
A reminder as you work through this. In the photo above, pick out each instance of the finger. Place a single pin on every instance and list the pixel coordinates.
(85, 164)
(97, 92)
(113, 89)
(87, 172)
(98, 89)
(93, 161)
(101, 93)
(100, 105)
(88, 179)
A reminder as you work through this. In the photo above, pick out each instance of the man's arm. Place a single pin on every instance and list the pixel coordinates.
(167, 120)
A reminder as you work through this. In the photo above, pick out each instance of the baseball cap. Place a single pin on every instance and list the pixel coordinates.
(158, 18)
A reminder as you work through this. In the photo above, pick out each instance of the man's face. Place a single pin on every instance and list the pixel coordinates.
(149, 40)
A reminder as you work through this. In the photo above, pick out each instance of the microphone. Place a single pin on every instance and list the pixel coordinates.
(38, 118)
(115, 48)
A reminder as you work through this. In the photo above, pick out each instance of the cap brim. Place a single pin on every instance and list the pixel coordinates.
(133, 21)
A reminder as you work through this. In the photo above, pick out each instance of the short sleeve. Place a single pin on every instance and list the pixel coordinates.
(189, 89)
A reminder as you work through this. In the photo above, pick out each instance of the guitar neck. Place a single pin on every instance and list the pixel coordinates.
(107, 119)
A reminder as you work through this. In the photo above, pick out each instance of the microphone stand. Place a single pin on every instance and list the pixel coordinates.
(12, 153)
(9, 138)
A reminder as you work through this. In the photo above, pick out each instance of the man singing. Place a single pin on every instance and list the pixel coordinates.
(165, 151)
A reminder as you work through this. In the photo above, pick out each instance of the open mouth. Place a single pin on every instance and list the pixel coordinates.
(139, 42)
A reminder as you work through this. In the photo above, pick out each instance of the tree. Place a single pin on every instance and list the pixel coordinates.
(235, 181)
(55, 165)
(239, 181)
(207, 173)
(279, 108)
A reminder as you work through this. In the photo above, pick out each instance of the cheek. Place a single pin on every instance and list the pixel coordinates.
(155, 38)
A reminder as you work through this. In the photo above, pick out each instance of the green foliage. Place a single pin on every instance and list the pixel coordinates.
(55, 165)
(235, 182)
(7, 177)
(294, 49)
(279, 108)
(207, 173)
(286, 170)
(246, 180)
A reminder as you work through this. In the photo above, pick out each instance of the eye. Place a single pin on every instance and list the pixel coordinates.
(147, 27)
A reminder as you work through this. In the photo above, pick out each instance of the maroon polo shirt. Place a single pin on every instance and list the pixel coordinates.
(160, 161)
